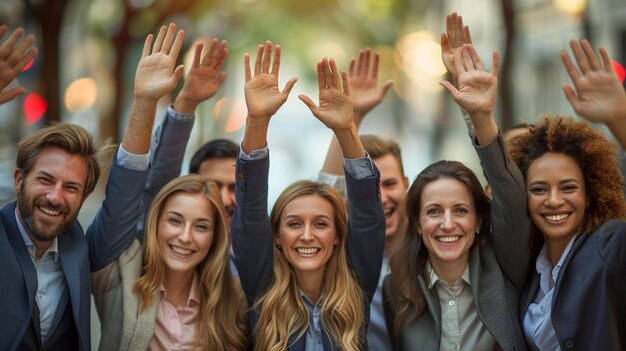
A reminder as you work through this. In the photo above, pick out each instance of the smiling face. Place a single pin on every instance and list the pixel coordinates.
(307, 236)
(51, 195)
(556, 196)
(185, 231)
(447, 221)
(393, 186)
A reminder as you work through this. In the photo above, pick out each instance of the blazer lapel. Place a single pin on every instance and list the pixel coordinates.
(21, 254)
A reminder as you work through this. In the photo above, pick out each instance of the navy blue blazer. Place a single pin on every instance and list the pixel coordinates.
(589, 300)
(78, 258)
(253, 238)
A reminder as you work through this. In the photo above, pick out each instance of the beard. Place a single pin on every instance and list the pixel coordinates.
(36, 229)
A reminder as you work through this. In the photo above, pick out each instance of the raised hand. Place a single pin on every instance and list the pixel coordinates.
(157, 73)
(363, 79)
(14, 56)
(263, 98)
(335, 109)
(204, 78)
(598, 95)
(455, 36)
(477, 90)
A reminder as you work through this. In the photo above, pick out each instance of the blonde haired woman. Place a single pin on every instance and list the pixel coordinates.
(178, 292)
(309, 273)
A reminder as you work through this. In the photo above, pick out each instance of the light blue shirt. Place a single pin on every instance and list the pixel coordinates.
(51, 282)
(377, 335)
(538, 327)
(314, 331)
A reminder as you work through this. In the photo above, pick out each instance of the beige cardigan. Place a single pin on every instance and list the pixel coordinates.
(122, 326)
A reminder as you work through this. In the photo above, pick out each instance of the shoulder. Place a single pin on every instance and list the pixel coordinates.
(610, 241)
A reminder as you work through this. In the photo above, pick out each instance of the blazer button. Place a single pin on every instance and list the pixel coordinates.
(569, 343)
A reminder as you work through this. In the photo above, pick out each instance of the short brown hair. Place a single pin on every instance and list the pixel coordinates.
(378, 147)
(70, 138)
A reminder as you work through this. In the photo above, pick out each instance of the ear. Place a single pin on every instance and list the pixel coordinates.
(406, 182)
(277, 240)
(18, 176)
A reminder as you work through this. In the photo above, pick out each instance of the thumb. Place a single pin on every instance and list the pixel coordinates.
(386, 88)
(8, 95)
(309, 103)
(449, 87)
(289, 86)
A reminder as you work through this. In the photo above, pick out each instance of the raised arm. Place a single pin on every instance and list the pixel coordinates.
(113, 229)
(252, 235)
(597, 95)
(510, 225)
(14, 56)
(363, 78)
(366, 225)
(170, 139)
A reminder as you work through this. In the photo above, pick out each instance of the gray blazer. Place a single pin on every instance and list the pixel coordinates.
(498, 270)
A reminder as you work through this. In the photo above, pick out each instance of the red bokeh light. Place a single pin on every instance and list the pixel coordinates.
(619, 70)
(28, 66)
(34, 108)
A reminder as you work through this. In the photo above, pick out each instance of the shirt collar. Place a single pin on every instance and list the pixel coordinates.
(433, 277)
(193, 293)
(544, 266)
(53, 249)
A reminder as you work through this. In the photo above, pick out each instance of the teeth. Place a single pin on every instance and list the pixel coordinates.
(449, 239)
(388, 212)
(181, 251)
(49, 211)
(557, 218)
(307, 250)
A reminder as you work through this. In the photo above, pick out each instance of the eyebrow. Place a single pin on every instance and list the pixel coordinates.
(48, 175)
(205, 219)
(560, 182)
(299, 217)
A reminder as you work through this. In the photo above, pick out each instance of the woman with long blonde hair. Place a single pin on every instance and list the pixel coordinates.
(178, 292)
(308, 271)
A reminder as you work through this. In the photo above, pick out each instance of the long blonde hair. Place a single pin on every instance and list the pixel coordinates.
(221, 323)
(282, 311)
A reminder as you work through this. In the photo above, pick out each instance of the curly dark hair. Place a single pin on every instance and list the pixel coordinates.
(594, 154)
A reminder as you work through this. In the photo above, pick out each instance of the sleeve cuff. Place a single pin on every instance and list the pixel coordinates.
(359, 168)
(254, 154)
(179, 116)
(132, 162)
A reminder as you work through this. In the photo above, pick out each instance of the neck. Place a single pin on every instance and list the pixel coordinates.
(311, 284)
(556, 247)
(451, 271)
(178, 287)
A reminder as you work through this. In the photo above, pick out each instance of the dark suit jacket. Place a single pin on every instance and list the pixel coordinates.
(498, 270)
(78, 258)
(253, 239)
(589, 300)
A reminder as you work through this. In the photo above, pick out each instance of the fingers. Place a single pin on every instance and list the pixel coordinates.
(7, 47)
(208, 58)
(168, 41)
(10, 94)
(445, 42)
(146, 46)
(197, 54)
(352, 66)
(386, 86)
(594, 63)
(334, 73)
(246, 64)
(583, 64)
(366, 65)
(309, 103)
(267, 56)
(608, 66)
(571, 97)
(177, 45)
(476, 62)
(571, 69)
(3, 30)
(466, 58)
(375, 66)
(258, 59)
(321, 83)
(30, 55)
(289, 86)
(328, 78)
(449, 87)
(468, 36)
(158, 43)
(458, 62)
(495, 69)
(346, 82)
(276, 65)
